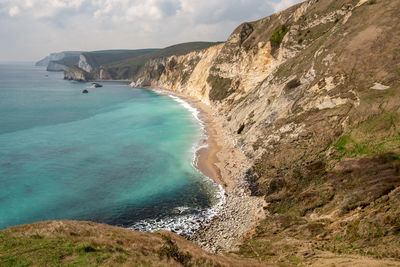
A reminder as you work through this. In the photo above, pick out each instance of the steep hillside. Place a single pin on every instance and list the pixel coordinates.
(92, 60)
(127, 68)
(312, 95)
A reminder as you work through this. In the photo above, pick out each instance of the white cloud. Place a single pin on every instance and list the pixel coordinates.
(56, 25)
(13, 11)
(283, 4)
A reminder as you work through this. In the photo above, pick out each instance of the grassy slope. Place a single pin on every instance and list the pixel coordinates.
(126, 69)
(70, 243)
(98, 58)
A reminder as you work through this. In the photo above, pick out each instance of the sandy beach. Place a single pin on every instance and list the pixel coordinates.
(223, 162)
(220, 160)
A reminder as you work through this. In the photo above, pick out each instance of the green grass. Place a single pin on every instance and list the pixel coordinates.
(277, 35)
(99, 58)
(376, 135)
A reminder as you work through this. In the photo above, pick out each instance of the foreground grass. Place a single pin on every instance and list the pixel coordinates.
(69, 243)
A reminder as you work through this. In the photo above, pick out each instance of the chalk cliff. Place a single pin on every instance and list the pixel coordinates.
(59, 61)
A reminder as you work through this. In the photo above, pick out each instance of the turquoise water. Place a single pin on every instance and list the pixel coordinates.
(117, 155)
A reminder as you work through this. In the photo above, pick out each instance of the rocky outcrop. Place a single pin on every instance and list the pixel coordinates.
(299, 91)
(77, 74)
(97, 85)
(186, 74)
(83, 64)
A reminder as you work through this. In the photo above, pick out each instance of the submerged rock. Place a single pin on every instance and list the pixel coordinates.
(85, 91)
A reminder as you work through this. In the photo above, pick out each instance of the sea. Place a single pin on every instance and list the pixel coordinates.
(117, 155)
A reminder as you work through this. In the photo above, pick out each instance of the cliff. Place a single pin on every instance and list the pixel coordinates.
(88, 61)
(120, 66)
(312, 96)
(77, 74)
(55, 66)
(55, 57)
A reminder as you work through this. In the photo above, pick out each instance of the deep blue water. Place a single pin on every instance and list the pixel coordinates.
(117, 155)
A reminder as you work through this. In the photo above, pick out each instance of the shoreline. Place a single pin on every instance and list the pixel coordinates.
(209, 160)
(222, 162)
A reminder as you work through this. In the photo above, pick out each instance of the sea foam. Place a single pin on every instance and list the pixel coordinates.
(187, 220)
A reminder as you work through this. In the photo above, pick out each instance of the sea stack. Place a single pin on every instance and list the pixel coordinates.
(96, 85)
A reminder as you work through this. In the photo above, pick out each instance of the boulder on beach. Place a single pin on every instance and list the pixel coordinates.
(85, 91)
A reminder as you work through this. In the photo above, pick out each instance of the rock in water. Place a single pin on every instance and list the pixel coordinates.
(96, 85)
(85, 91)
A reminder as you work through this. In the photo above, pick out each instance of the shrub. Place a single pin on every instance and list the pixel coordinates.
(277, 36)
(171, 250)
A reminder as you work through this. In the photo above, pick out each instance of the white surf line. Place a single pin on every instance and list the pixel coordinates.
(189, 223)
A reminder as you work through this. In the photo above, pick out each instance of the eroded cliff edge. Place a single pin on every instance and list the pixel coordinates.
(312, 94)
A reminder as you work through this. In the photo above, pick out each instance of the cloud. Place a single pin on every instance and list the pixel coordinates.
(45, 26)
(14, 10)
(283, 4)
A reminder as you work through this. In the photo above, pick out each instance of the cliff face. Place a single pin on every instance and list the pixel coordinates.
(83, 64)
(77, 74)
(54, 66)
(312, 94)
(52, 57)
(59, 61)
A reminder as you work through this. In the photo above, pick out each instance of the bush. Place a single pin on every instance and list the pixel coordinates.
(277, 36)
(171, 250)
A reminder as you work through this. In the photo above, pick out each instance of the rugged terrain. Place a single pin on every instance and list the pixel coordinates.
(312, 97)
(312, 94)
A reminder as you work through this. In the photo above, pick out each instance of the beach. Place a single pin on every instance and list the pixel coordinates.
(224, 163)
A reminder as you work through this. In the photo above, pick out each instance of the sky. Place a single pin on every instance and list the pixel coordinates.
(31, 29)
